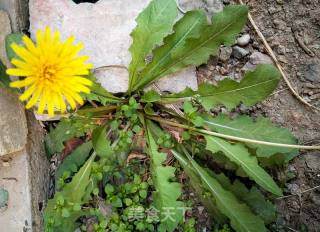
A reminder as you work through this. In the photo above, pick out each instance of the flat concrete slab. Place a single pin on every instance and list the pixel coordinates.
(105, 29)
(14, 177)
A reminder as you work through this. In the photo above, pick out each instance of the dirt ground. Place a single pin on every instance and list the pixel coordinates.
(292, 28)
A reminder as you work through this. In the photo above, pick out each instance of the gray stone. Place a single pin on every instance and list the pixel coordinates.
(104, 28)
(15, 179)
(312, 161)
(211, 6)
(172, 83)
(5, 30)
(38, 166)
(23, 163)
(243, 40)
(18, 11)
(13, 132)
(255, 59)
(294, 189)
(225, 53)
(312, 72)
(239, 52)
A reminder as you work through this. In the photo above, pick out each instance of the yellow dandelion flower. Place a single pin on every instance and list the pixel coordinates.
(52, 70)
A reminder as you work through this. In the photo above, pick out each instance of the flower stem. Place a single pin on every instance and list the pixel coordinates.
(236, 138)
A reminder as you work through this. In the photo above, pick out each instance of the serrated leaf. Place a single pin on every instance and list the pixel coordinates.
(76, 189)
(153, 24)
(100, 143)
(74, 160)
(98, 93)
(241, 217)
(260, 129)
(151, 96)
(249, 164)
(254, 87)
(4, 78)
(252, 197)
(193, 42)
(278, 159)
(10, 39)
(167, 192)
(66, 129)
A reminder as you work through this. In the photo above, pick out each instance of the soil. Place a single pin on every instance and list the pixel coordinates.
(284, 24)
(292, 29)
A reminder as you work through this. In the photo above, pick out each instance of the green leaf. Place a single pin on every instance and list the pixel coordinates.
(167, 192)
(10, 39)
(249, 164)
(4, 77)
(205, 197)
(4, 197)
(253, 197)
(183, 95)
(153, 23)
(66, 129)
(100, 142)
(76, 189)
(99, 94)
(260, 129)
(254, 87)
(151, 96)
(73, 161)
(194, 41)
(241, 217)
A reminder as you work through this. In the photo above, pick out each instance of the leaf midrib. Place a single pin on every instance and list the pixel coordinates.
(218, 196)
(196, 48)
(238, 89)
(173, 47)
(242, 163)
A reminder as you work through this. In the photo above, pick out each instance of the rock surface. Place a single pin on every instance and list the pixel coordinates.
(23, 164)
(211, 6)
(18, 11)
(312, 73)
(239, 52)
(13, 132)
(15, 179)
(243, 40)
(5, 29)
(255, 59)
(104, 28)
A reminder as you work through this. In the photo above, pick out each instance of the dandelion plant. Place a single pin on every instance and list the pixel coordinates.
(145, 130)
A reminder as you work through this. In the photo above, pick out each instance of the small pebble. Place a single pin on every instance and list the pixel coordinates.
(239, 52)
(225, 53)
(243, 40)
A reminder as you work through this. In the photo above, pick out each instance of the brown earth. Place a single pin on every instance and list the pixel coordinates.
(292, 28)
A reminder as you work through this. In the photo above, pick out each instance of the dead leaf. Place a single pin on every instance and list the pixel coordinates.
(69, 146)
(135, 156)
(175, 132)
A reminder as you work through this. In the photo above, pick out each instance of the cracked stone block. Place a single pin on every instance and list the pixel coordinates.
(18, 11)
(15, 177)
(5, 30)
(13, 126)
(104, 28)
